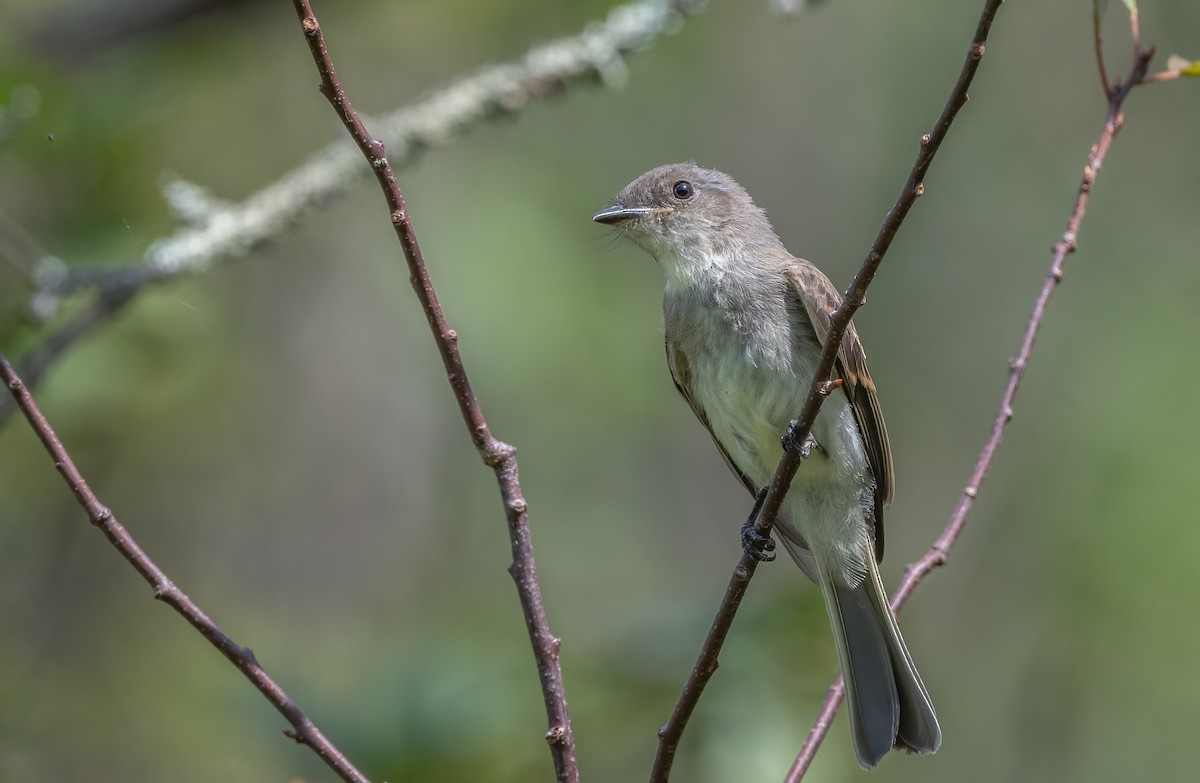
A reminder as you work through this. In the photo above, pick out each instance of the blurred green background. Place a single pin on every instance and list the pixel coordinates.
(279, 434)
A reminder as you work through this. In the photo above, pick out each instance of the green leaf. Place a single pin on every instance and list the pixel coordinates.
(1183, 66)
(1132, 6)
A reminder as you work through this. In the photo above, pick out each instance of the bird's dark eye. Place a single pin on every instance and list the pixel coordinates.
(682, 189)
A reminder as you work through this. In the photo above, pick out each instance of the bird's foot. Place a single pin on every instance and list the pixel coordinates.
(755, 544)
(800, 448)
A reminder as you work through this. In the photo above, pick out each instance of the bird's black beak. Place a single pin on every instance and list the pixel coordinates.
(616, 215)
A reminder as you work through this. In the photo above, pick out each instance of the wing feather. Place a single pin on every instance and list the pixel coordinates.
(820, 299)
(677, 361)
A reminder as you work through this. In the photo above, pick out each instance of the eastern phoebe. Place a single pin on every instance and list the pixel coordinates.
(745, 321)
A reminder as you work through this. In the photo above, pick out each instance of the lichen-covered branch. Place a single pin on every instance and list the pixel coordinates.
(215, 231)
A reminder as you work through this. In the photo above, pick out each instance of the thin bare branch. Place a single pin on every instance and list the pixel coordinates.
(1177, 67)
(940, 551)
(1160, 76)
(669, 735)
(1098, 45)
(303, 730)
(498, 455)
(217, 231)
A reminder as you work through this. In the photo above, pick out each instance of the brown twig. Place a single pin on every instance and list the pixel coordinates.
(304, 731)
(1160, 76)
(1177, 67)
(940, 551)
(498, 455)
(1098, 46)
(914, 187)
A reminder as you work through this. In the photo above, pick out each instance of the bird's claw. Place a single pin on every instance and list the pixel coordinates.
(755, 544)
(802, 449)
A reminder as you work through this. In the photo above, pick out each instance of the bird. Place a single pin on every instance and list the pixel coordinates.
(745, 322)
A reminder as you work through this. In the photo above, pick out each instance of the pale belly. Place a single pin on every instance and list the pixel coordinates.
(748, 401)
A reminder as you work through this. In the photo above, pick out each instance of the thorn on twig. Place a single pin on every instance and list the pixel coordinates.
(556, 735)
(827, 387)
(310, 26)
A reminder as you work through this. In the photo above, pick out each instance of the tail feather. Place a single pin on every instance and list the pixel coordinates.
(862, 649)
(919, 731)
(889, 706)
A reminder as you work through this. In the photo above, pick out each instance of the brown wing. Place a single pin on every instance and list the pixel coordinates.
(681, 374)
(820, 299)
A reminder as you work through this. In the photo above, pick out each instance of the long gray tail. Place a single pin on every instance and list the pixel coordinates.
(889, 706)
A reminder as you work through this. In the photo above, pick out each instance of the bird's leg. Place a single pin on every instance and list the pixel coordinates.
(802, 449)
(755, 544)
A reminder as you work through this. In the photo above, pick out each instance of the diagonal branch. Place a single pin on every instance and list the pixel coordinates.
(304, 731)
(217, 231)
(706, 664)
(498, 455)
(940, 551)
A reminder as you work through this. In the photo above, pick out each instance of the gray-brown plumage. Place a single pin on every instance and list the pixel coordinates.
(744, 323)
